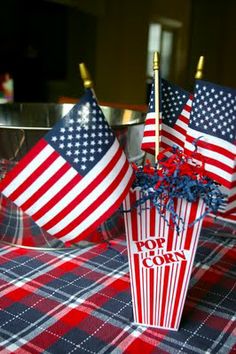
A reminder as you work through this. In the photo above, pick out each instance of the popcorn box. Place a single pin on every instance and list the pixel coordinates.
(160, 260)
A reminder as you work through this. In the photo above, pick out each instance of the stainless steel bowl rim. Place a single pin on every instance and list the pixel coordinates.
(42, 116)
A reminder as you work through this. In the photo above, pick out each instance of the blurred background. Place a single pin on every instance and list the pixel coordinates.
(43, 42)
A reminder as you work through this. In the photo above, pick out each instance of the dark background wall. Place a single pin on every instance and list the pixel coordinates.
(33, 46)
(213, 33)
(42, 43)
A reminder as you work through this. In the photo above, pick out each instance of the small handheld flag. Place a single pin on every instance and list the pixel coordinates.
(175, 106)
(213, 124)
(75, 177)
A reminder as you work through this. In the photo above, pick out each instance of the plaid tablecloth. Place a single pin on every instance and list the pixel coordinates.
(78, 301)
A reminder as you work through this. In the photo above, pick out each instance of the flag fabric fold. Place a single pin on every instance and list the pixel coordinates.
(176, 105)
(75, 177)
(149, 133)
(209, 118)
(213, 125)
(175, 108)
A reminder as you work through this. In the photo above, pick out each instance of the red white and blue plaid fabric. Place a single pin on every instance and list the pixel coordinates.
(78, 301)
(19, 229)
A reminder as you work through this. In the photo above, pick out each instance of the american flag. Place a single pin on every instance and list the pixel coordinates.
(213, 121)
(148, 141)
(175, 107)
(228, 209)
(227, 217)
(213, 118)
(75, 177)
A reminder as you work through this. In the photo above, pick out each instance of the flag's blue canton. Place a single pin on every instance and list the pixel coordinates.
(83, 136)
(173, 101)
(214, 111)
(151, 104)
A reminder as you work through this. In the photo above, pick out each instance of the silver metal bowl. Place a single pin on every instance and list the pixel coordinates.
(23, 124)
(44, 115)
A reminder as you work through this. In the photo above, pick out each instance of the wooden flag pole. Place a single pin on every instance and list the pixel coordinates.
(200, 65)
(157, 103)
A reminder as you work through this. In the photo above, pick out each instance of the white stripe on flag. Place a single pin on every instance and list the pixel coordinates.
(90, 198)
(210, 153)
(173, 132)
(97, 213)
(27, 171)
(185, 113)
(52, 191)
(215, 141)
(150, 128)
(216, 170)
(147, 139)
(77, 189)
(182, 125)
(40, 181)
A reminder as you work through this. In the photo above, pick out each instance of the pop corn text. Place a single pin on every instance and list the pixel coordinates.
(160, 259)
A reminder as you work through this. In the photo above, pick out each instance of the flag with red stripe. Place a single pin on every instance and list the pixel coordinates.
(175, 105)
(213, 123)
(231, 218)
(149, 134)
(227, 211)
(75, 177)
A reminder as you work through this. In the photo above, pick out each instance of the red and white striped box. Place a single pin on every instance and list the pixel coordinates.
(160, 260)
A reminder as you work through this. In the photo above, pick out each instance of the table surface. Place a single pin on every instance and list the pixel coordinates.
(79, 301)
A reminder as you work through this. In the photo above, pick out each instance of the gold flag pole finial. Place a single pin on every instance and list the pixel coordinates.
(156, 66)
(200, 65)
(155, 61)
(88, 83)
